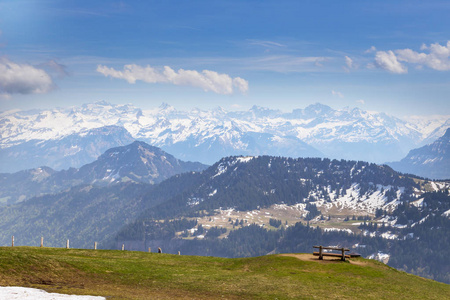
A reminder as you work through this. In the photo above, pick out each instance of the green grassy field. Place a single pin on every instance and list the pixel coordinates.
(139, 275)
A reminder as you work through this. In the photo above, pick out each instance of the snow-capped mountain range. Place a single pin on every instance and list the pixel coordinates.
(207, 135)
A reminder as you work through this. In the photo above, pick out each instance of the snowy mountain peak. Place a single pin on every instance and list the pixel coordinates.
(164, 107)
(103, 103)
(220, 109)
(317, 109)
(447, 133)
(263, 112)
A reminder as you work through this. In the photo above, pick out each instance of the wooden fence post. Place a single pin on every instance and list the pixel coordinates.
(123, 247)
(95, 245)
(67, 244)
(12, 243)
(320, 253)
(42, 241)
(149, 249)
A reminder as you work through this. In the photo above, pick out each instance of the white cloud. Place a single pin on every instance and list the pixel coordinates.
(437, 58)
(371, 50)
(284, 63)
(207, 80)
(132, 73)
(361, 101)
(54, 68)
(241, 84)
(267, 44)
(349, 62)
(23, 79)
(338, 94)
(388, 61)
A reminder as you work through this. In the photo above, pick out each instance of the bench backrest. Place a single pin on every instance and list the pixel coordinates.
(331, 248)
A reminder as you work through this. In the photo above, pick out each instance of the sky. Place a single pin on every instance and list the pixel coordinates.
(387, 56)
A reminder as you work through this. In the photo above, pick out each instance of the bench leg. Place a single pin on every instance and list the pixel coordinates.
(343, 255)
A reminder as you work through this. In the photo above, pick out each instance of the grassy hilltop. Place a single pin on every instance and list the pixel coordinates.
(139, 275)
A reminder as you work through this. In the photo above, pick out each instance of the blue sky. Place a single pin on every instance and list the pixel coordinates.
(391, 56)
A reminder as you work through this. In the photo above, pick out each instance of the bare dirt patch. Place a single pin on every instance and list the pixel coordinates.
(310, 257)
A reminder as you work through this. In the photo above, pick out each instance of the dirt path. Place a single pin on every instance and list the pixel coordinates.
(326, 260)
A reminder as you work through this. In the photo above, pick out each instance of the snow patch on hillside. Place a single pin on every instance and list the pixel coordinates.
(352, 199)
(418, 203)
(244, 159)
(223, 166)
(389, 235)
(380, 256)
(349, 231)
(16, 293)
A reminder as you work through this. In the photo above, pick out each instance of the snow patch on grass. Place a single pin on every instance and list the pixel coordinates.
(15, 292)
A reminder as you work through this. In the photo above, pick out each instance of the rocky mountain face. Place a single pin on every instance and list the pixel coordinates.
(137, 162)
(430, 161)
(74, 150)
(207, 136)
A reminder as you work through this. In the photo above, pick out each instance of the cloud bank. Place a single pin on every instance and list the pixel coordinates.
(206, 80)
(437, 58)
(23, 79)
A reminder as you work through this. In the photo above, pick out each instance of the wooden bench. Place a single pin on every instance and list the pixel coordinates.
(321, 254)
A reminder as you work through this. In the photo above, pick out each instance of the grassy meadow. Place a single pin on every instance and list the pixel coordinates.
(137, 275)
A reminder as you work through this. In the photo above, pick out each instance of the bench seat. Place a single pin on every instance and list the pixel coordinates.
(330, 254)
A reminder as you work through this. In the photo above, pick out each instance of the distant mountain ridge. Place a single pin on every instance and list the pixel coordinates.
(74, 150)
(430, 161)
(136, 162)
(316, 131)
